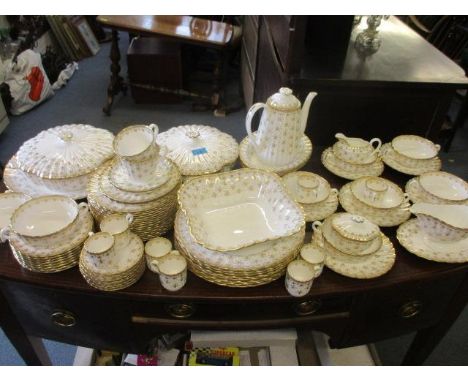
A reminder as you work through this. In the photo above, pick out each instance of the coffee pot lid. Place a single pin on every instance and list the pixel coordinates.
(284, 100)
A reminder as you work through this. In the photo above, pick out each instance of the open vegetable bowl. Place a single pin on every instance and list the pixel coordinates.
(236, 209)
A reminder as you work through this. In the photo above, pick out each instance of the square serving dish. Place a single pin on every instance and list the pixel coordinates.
(232, 210)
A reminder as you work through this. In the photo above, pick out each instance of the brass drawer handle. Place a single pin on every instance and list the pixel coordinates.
(410, 309)
(307, 308)
(63, 318)
(181, 310)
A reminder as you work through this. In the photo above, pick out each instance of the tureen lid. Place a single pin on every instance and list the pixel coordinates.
(65, 151)
(284, 100)
(198, 149)
(355, 227)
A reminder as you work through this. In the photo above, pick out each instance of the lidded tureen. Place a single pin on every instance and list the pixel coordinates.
(199, 149)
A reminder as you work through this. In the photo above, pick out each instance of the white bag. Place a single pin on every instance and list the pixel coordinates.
(29, 84)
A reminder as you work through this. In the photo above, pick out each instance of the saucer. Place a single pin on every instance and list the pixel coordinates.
(427, 165)
(120, 177)
(360, 267)
(321, 210)
(348, 170)
(125, 257)
(419, 243)
(249, 159)
(383, 217)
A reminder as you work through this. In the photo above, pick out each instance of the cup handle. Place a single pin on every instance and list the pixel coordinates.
(4, 234)
(406, 202)
(155, 263)
(437, 146)
(316, 226)
(129, 218)
(248, 120)
(83, 206)
(379, 144)
(155, 129)
(334, 191)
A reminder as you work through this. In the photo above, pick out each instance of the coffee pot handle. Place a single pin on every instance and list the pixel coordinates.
(248, 120)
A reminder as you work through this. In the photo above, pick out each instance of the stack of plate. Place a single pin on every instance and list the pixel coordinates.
(438, 187)
(153, 210)
(313, 193)
(355, 246)
(46, 234)
(123, 269)
(353, 158)
(238, 228)
(59, 161)
(139, 181)
(378, 199)
(411, 155)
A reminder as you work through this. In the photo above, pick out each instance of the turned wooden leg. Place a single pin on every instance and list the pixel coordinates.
(31, 349)
(116, 84)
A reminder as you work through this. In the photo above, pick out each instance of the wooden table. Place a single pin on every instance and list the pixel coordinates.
(416, 295)
(185, 29)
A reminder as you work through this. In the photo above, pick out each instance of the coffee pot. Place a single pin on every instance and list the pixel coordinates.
(282, 125)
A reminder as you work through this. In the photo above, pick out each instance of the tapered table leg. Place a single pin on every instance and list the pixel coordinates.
(31, 349)
(116, 84)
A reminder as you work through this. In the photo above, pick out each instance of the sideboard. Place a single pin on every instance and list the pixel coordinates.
(416, 295)
(405, 87)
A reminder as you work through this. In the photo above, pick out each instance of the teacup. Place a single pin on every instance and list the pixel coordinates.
(156, 249)
(299, 278)
(442, 222)
(172, 270)
(137, 143)
(314, 255)
(356, 150)
(118, 225)
(9, 202)
(100, 247)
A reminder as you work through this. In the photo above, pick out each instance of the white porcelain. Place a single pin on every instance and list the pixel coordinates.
(232, 210)
(155, 249)
(356, 150)
(18, 180)
(321, 210)
(198, 149)
(379, 192)
(9, 202)
(383, 217)
(407, 165)
(349, 170)
(65, 151)
(249, 157)
(281, 127)
(360, 267)
(414, 147)
(124, 258)
(172, 270)
(418, 194)
(68, 240)
(141, 197)
(299, 278)
(254, 257)
(99, 244)
(417, 241)
(314, 255)
(45, 216)
(354, 227)
(141, 179)
(306, 187)
(137, 143)
(445, 186)
(118, 225)
(345, 244)
(442, 222)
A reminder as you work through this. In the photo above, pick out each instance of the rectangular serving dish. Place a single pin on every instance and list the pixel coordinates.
(232, 210)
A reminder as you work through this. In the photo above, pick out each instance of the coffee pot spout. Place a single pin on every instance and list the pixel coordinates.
(305, 110)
